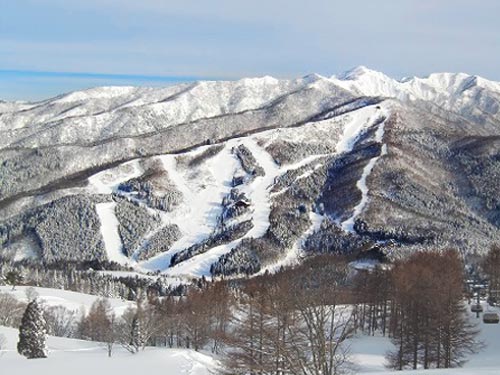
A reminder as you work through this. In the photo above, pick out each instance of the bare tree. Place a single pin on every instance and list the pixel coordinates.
(98, 324)
(248, 344)
(429, 325)
(11, 310)
(129, 331)
(196, 318)
(61, 321)
(292, 323)
(319, 335)
(140, 324)
(31, 294)
(219, 300)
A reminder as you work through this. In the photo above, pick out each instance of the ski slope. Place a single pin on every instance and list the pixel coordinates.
(203, 190)
(257, 192)
(203, 194)
(348, 224)
(110, 233)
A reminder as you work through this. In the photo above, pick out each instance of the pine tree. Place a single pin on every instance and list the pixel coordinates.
(32, 333)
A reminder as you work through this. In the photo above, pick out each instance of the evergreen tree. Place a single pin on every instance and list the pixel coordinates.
(32, 333)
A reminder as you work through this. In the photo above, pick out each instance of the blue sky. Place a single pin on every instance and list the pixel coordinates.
(49, 47)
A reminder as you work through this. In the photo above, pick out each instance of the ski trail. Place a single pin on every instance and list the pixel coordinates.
(363, 119)
(110, 234)
(293, 254)
(197, 215)
(348, 225)
(258, 193)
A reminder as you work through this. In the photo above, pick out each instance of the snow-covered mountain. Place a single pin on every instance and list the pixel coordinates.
(243, 176)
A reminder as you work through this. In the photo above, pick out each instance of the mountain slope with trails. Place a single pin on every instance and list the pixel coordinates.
(220, 178)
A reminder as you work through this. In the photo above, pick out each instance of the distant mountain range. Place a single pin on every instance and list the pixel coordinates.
(245, 176)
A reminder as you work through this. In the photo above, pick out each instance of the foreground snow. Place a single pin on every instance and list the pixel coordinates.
(81, 357)
(369, 353)
(75, 357)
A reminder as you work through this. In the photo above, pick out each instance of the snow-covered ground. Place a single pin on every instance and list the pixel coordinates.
(81, 357)
(107, 181)
(110, 234)
(204, 188)
(369, 352)
(256, 191)
(75, 357)
(71, 300)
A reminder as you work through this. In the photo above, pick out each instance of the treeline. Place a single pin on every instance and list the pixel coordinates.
(89, 281)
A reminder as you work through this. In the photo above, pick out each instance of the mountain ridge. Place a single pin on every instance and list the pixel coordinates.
(340, 164)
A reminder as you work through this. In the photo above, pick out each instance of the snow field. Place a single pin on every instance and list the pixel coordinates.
(71, 300)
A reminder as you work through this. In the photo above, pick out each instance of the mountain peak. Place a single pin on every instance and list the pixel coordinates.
(355, 73)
